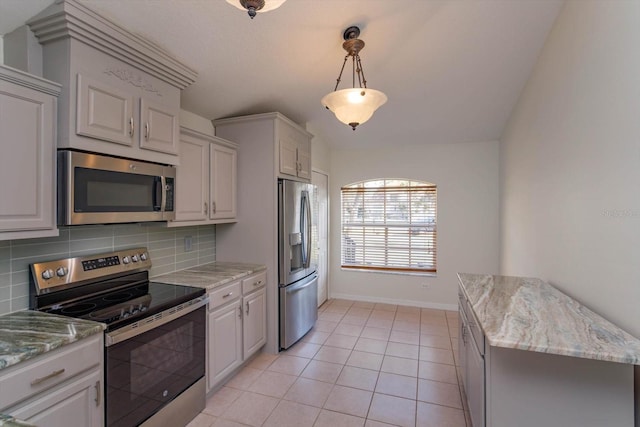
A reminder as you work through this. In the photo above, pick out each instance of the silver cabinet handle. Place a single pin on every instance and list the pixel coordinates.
(259, 282)
(247, 308)
(47, 377)
(131, 127)
(213, 207)
(240, 311)
(98, 393)
(146, 131)
(206, 208)
(227, 295)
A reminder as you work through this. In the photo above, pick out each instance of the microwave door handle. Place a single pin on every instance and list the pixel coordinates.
(158, 194)
(163, 186)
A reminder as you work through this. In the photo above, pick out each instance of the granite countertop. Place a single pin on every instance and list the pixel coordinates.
(212, 275)
(9, 421)
(530, 314)
(27, 334)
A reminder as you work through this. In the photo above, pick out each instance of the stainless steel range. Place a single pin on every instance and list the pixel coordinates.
(155, 337)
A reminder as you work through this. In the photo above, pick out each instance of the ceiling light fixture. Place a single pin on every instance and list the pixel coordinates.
(356, 105)
(254, 6)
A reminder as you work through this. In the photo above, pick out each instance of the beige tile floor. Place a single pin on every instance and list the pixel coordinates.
(363, 364)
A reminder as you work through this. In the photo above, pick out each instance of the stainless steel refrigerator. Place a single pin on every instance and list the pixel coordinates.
(298, 279)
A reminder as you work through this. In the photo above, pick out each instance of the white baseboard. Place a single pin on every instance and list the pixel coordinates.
(412, 303)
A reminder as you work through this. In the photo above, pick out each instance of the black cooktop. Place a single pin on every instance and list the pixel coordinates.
(126, 304)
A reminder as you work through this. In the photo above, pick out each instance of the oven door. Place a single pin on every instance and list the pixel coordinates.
(146, 372)
(98, 189)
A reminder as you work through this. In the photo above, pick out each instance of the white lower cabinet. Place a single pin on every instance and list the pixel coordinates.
(254, 327)
(225, 341)
(78, 403)
(237, 325)
(62, 388)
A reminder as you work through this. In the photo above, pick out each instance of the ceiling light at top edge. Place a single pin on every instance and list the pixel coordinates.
(252, 7)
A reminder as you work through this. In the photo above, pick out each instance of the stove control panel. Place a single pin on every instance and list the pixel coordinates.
(64, 273)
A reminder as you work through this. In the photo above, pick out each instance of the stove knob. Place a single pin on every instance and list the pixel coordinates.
(143, 256)
(143, 308)
(126, 260)
(47, 274)
(135, 311)
(61, 271)
(134, 258)
(125, 314)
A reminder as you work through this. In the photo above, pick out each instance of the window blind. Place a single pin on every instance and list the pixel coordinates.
(389, 224)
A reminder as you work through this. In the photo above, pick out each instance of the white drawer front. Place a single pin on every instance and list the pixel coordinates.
(254, 282)
(48, 370)
(223, 295)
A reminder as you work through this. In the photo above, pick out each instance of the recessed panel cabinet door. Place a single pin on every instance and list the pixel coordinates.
(304, 159)
(27, 163)
(159, 129)
(79, 403)
(223, 182)
(225, 342)
(254, 327)
(288, 156)
(104, 112)
(192, 180)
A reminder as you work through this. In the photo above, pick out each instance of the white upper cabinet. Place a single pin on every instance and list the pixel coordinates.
(294, 148)
(205, 180)
(289, 144)
(27, 166)
(223, 162)
(120, 93)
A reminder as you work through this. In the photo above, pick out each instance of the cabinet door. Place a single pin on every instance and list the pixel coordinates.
(255, 322)
(104, 112)
(475, 383)
(159, 129)
(288, 156)
(77, 403)
(27, 124)
(225, 341)
(223, 182)
(192, 180)
(304, 159)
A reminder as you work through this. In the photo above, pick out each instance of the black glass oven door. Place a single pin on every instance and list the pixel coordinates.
(147, 371)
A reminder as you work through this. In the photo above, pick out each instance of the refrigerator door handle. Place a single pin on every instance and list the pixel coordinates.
(304, 201)
(308, 263)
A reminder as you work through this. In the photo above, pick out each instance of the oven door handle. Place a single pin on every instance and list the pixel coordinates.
(144, 325)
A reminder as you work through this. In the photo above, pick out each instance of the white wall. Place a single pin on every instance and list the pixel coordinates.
(570, 163)
(468, 218)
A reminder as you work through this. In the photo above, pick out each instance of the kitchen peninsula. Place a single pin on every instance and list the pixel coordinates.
(533, 356)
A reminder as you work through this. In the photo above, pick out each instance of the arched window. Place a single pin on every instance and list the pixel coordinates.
(389, 225)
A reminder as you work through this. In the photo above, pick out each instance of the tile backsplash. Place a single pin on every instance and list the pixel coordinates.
(166, 248)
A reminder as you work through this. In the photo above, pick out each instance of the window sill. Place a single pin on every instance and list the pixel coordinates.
(401, 273)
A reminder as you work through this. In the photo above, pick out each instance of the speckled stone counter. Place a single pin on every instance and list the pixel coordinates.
(9, 421)
(530, 314)
(210, 275)
(27, 334)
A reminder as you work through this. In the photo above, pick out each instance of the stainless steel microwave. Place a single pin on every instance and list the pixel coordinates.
(96, 189)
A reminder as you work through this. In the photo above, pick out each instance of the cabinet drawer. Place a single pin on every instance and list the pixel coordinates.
(254, 282)
(48, 370)
(223, 295)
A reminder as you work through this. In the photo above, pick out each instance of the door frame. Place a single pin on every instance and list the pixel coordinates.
(322, 172)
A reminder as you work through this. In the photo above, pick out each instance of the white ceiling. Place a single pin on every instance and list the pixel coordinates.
(453, 70)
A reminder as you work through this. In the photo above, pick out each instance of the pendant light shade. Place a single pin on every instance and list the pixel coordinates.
(356, 105)
(252, 7)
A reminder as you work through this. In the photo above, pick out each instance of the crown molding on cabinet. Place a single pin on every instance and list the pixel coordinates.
(22, 78)
(69, 18)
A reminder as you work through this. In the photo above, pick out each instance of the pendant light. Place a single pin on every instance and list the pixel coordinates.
(356, 105)
(254, 6)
